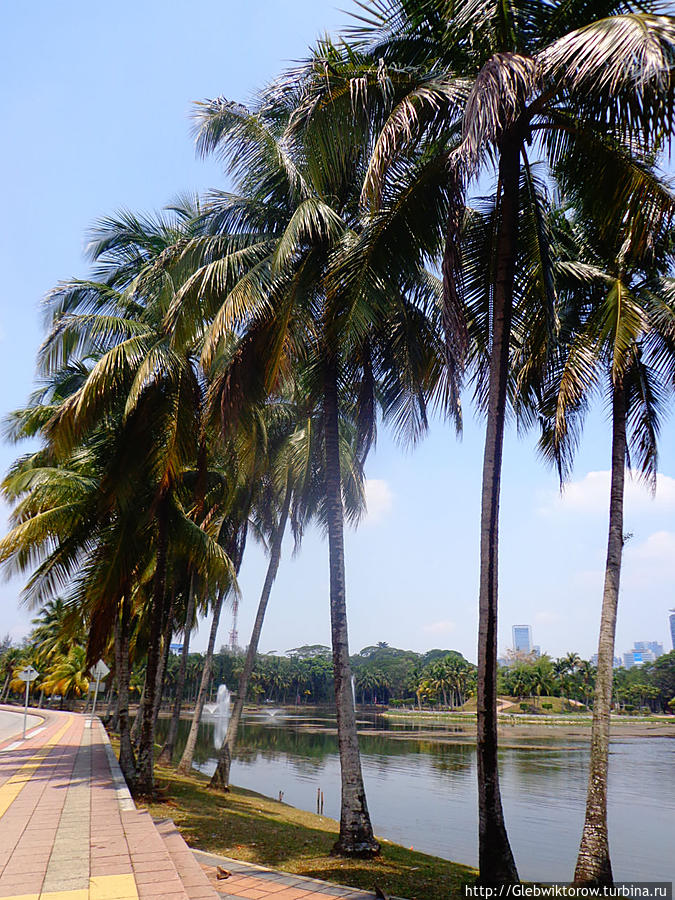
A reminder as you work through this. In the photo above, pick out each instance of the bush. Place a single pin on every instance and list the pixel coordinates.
(524, 706)
(547, 706)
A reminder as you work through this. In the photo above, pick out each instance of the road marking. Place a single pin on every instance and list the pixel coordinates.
(32, 734)
(11, 789)
(11, 747)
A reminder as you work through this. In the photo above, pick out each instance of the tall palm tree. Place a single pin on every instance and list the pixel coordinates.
(619, 339)
(582, 84)
(320, 285)
(234, 533)
(166, 755)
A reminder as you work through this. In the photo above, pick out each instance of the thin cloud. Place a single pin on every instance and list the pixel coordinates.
(590, 495)
(379, 500)
(444, 627)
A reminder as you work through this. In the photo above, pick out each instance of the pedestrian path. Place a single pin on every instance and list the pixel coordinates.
(69, 830)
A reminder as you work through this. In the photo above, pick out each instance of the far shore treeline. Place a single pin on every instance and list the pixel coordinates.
(384, 677)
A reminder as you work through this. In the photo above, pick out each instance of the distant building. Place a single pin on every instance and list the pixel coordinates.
(655, 647)
(642, 652)
(176, 649)
(522, 638)
(672, 627)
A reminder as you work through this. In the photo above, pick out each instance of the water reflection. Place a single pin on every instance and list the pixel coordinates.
(421, 784)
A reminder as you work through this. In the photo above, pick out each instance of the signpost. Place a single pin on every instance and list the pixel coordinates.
(27, 674)
(100, 671)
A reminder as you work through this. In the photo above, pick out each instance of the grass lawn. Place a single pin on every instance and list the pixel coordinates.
(247, 826)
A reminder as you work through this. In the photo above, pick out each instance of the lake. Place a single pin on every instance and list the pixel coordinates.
(421, 788)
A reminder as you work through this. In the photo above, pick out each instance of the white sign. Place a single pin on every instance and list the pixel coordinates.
(28, 674)
(100, 670)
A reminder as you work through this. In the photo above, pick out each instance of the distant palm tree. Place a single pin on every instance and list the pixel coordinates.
(68, 674)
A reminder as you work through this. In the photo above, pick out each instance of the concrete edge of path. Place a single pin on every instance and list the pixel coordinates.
(122, 792)
(237, 866)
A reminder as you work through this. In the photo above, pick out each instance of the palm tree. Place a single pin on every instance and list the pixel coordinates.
(326, 291)
(620, 336)
(68, 674)
(127, 391)
(293, 485)
(233, 533)
(166, 755)
(584, 85)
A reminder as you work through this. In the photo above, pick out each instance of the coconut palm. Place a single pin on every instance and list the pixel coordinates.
(233, 533)
(293, 485)
(68, 674)
(583, 85)
(327, 290)
(166, 755)
(132, 392)
(160, 391)
(620, 341)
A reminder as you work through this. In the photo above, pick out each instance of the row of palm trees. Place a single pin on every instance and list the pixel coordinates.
(224, 369)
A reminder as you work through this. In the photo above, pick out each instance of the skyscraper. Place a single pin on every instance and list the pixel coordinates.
(672, 627)
(522, 638)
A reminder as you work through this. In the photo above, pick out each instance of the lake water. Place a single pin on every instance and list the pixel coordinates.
(421, 788)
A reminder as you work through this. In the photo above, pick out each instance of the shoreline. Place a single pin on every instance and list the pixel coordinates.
(514, 729)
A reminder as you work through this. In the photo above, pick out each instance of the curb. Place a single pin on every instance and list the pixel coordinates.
(124, 798)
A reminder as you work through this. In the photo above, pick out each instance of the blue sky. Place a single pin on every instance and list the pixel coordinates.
(95, 102)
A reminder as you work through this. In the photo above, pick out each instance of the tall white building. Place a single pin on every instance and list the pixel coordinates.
(522, 638)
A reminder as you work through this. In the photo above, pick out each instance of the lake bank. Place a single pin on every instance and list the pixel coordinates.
(421, 785)
(248, 826)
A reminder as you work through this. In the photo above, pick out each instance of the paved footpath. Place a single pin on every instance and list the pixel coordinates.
(69, 830)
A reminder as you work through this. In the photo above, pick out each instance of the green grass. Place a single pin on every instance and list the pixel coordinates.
(250, 827)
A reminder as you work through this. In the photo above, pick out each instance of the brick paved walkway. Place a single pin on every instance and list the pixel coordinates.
(69, 830)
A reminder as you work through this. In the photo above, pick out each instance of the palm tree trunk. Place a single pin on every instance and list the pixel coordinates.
(221, 777)
(496, 863)
(167, 751)
(127, 760)
(185, 764)
(136, 727)
(593, 862)
(167, 631)
(145, 781)
(356, 832)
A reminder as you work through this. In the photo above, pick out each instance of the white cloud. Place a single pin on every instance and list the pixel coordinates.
(650, 564)
(444, 627)
(379, 500)
(590, 495)
(658, 548)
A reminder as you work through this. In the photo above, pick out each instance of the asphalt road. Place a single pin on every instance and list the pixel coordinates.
(11, 723)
